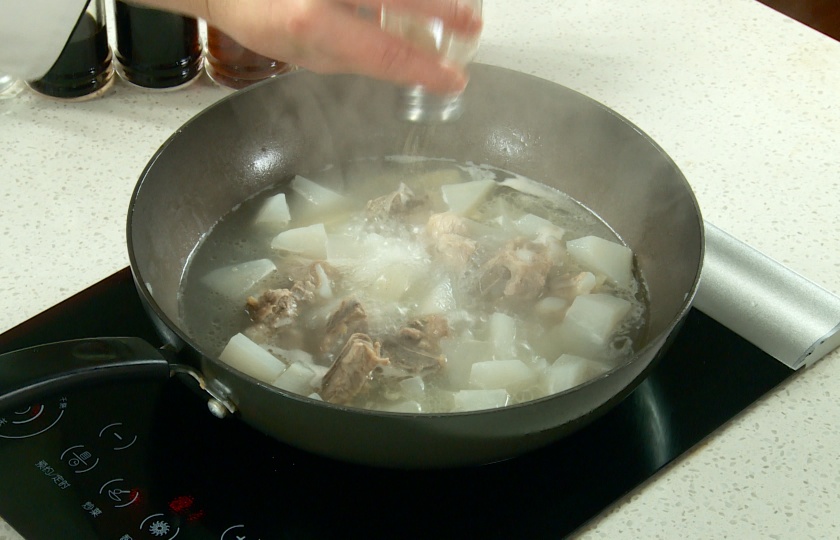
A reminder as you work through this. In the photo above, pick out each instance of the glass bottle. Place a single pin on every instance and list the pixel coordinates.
(156, 49)
(84, 69)
(429, 33)
(230, 64)
(9, 86)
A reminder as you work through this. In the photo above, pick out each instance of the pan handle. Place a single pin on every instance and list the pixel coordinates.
(30, 375)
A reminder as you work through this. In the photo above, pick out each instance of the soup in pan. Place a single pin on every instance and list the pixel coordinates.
(415, 285)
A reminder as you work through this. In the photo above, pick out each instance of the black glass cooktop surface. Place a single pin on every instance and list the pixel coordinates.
(144, 460)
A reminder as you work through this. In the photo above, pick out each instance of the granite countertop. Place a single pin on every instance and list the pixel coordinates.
(745, 100)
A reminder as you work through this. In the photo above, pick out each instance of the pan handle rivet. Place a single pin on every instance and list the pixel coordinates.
(216, 408)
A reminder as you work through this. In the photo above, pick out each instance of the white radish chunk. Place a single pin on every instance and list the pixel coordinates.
(603, 257)
(324, 288)
(440, 299)
(551, 307)
(569, 371)
(322, 198)
(464, 197)
(413, 388)
(503, 334)
(290, 356)
(243, 354)
(508, 374)
(403, 407)
(535, 227)
(461, 354)
(432, 182)
(297, 379)
(235, 281)
(589, 323)
(394, 280)
(476, 400)
(308, 241)
(274, 213)
(528, 187)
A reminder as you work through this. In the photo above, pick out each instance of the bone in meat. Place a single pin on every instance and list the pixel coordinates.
(416, 349)
(350, 318)
(400, 201)
(352, 369)
(521, 267)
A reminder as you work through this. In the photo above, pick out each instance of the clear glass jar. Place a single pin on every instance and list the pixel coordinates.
(429, 33)
(84, 69)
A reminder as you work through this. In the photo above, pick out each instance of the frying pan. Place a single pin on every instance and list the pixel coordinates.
(303, 122)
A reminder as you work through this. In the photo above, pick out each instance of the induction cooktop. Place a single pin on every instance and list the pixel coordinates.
(146, 460)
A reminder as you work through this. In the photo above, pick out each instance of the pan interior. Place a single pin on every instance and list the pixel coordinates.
(303, 122)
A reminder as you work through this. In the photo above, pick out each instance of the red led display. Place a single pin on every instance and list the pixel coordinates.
(184, 506)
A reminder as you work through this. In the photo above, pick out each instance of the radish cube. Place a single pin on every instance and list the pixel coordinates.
(461, 354)
(589, 323)
(237, 280)
(440, 299)
(316, 194)
(308, 241)
(611, 259)
(474, 400)
(534, 226)
(413, 388)
(502, 334)
(551, 307)
(274, 213)
(243, 354)
(569, 371)
(464, 197)
(403, 407)
(509, 374)
(297, 378)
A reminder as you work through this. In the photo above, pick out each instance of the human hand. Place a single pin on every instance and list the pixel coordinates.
(329, 36)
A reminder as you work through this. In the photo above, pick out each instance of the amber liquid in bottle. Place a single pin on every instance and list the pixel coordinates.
(232, 65)
(156, 49)
(84, 65)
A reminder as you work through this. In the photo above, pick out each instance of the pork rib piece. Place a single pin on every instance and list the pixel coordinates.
(348, 319)
(352, 369)
(415, 350)
(519, 270)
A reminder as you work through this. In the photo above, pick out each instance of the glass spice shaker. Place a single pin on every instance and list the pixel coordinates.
(230, 64)
(429, 33)
(156, 49)
(84, 69)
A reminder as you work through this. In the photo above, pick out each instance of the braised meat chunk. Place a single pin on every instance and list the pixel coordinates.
(352, 369)
(415, 350)
(348, 319)
(519, 270)
(275, 308)
(318, 282)
(447, 240)
(398, 202)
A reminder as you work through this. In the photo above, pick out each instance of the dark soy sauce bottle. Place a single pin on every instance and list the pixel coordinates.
(83, 70)
(156, 49)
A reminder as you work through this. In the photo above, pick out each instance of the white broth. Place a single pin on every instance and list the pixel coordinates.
(415, 285)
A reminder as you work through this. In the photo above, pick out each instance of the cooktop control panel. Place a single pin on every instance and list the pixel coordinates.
(94, 466)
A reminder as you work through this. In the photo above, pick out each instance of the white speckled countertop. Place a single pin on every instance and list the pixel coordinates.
(744, 99)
